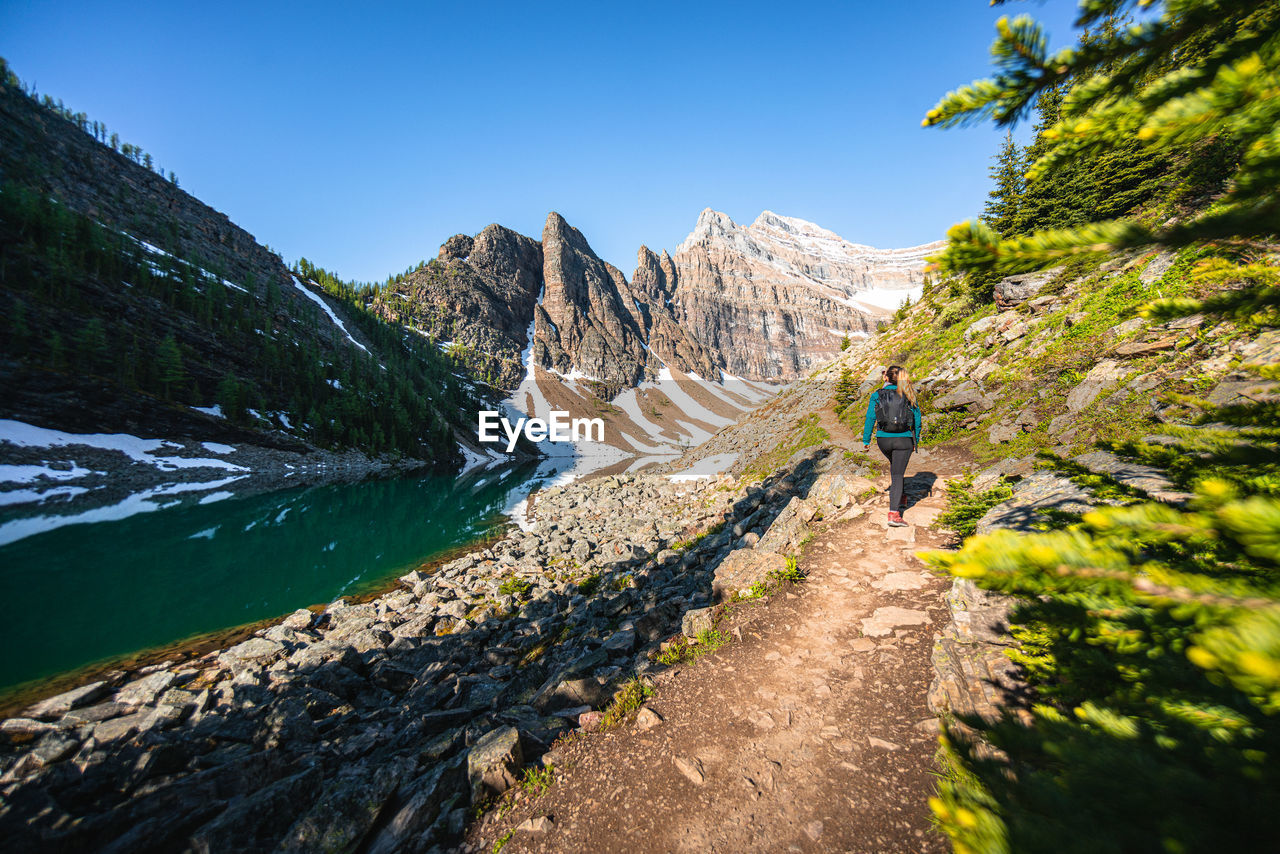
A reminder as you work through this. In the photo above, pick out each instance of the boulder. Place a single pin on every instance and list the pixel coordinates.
(55, 707)
(620, 642)
(1157, 267)
(1028, 419)
(299, 620)
(351, 619)
(1120, 330)
(979, 327)
(21, 730)
(118, 728)
(590, 721)
(1016, 468)
(1005, 431)
(1040, 491)
(264, 814)
(788, 527)
(1137, 349)
(1244, 390)
(348, 807)
(1013, 291)
(1145, 478)
(742, 568)
(493, 763)
(696, 621)
(142, 691)
(647, 718)
(837, 489)
(537, 825)
(582, 691)
(425, 799)
(967, 396)
(1103, 375)
(1014, 332)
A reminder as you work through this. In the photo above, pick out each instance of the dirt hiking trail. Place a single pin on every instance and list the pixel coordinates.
(807, 732)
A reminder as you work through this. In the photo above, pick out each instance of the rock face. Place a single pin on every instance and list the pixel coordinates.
(479, 293)
(583, 321)
(484, 294)
(775, 298)
(653, 290)
(767, 301)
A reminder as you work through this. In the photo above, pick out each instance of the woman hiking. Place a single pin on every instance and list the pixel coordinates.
(892, 411)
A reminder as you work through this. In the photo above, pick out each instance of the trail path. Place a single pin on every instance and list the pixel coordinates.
(808, 732)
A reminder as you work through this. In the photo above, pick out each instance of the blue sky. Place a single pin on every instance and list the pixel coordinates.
(363, 135)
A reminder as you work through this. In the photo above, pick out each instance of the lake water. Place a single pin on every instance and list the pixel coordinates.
(88, 592)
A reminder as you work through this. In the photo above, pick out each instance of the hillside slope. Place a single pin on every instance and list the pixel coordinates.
(133, 308)
(1056, 362)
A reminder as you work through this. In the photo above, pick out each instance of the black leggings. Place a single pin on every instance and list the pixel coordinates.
(898, 449)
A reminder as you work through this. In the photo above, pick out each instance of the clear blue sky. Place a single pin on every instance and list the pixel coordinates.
(363, 135)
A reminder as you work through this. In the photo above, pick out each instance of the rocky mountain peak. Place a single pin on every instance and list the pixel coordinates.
(768, 221)
(711, 224)
(457, 247)
(777, 297)
(583, 323)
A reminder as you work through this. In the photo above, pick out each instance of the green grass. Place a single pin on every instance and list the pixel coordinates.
(537, 780)
(590, 584)
(773, 582)
(501, 841)
(707, 642)
(626, 702)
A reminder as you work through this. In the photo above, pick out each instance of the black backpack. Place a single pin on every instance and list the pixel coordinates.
(893, 412)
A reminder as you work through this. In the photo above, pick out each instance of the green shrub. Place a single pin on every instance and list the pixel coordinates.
(512, 586)
(626, 702)
(965, 507)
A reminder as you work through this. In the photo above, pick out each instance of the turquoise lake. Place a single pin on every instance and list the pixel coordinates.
(89, 592)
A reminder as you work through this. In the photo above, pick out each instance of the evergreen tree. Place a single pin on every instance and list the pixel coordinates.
(171, 371)
(19, 331)
(845, 342)
(846, 391)
(1005, 198)
(1151, 91)
(231, 397)
(91, 346)
(1148, 633)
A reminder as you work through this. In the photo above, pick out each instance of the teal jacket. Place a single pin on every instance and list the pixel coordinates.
(871, 421)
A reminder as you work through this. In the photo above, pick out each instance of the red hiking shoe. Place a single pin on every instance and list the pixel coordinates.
(895, 520)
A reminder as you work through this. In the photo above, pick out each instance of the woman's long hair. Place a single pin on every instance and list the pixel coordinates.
(899, 377)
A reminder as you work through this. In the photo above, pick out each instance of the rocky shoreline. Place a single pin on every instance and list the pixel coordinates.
(376, 725)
